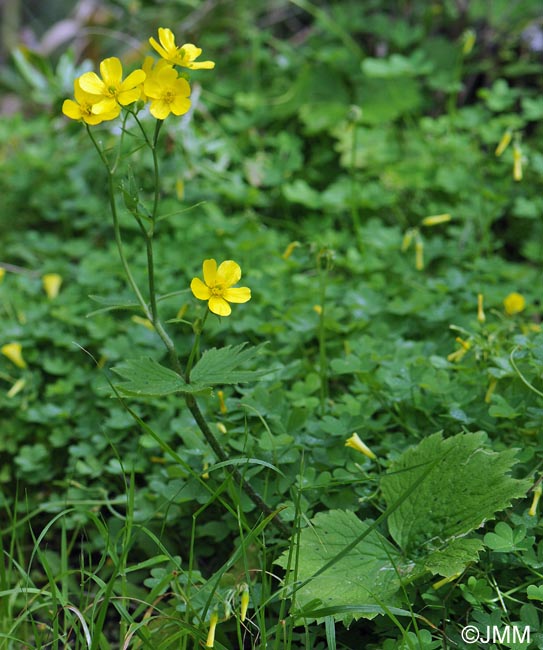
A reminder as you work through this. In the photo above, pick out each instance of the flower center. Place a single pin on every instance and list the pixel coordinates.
(168, 97)
(217, 291)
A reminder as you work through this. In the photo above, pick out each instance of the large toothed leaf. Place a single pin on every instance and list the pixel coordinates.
(222, 366)
(466, 483)
(145, 377)
(359, 583)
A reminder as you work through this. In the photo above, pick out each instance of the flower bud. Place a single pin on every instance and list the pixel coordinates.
(14, 352)
(51, 284)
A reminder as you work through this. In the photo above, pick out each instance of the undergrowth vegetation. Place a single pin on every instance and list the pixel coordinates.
(344, 452)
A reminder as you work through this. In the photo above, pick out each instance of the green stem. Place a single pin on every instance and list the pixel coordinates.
(223, 457)
(322, 332)
(199, 328)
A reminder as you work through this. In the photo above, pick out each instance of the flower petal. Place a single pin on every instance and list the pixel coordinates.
(126, 97)
(111, 71)
(90, 82)
(134, 79)
(71, 109)
(160, 109)
(180, 106)
(237, 294)
(199, 289)
(210, 272)
(219, 306)
(158, 48)
(228, 274)
(166, 38)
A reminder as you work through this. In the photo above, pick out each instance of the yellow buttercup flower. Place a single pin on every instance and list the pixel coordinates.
(514, 303)
(184, 56)
(217, 287)
(14, 352)
(81, 108)
(151, 67)
(51, 284)
(111, 90)
(436, 219)
(356, 443)
(538, 490)
(168, 93)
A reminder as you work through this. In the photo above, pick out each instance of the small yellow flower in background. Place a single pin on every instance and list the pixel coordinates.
(222, 404)
(290, 249)
(436, 219)
(465, 346)
(16, 388)
(14, 352)
(205, 473)
(168, 92)
(185, 56)
(356, 443)
(221, 428)
(2, 273)
(143, 321)
(538, 490)
(419, 255)
(244, 602)
(217, 287)
(210, 643)
(51, 284)
(490, 390)
(468, 37)
(514, 303)
(480, 310)
(111, 90)
(318, 309)
(517, 163)
(503, 143)
(81, 108)
(408, 238)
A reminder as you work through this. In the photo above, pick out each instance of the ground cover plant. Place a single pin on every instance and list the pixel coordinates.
(271, 342)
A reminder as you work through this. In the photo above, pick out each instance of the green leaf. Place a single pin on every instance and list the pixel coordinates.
(504, 539)
(147, 378)
(467, 485)
(365, 578)
(220, 366)
(535, 592)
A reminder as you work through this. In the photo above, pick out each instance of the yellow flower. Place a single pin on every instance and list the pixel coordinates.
(2, 273)
(16, 388)
(503, 143)
(289, 249)
(514, 303)
(111, 90)
(218, 290)
(356, 443)
(184, 56)
(222, 405)
(14, 352)
(168, 93)
(221, 428)
(419, 255)
(244, 603)
(517, 163)
(436, 219)
(480, 310)
(538, 490)
(51, 284)
(151, 67)
(210, 643)
(465, 346)
(81, 109)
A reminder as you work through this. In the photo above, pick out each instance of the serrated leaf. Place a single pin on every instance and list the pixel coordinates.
(147, 378)
(364, 578)
(221, 366)
(467, 485)
(453, 558)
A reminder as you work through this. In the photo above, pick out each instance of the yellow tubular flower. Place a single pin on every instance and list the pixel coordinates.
(210, 643)
(538, 490)
(16, 388)
(81, 108)
(244, 603)
(503, 143)
(2, 273)
(184, 56)
(168, 93)
(480, 311)
(419, 256)
(356, 443)
(289, 249)
(517, 163)
(514, 303)
(222, 404)
(111, 90)
(14, 352)
(217, 286)
(436, 219)
(51, 284)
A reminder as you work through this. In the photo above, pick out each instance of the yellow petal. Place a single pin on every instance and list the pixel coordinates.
(228, 273)
(166, 38)
(210, 272)
(111, 71)
(134, 79)
(203, 65)
(51, 284)
(126, 97)
(158, 48)
(219, 306)
(160, 109)
(180, 106)
(514, 303)
(356, 443)
(71, 109)
(16, 388)
(199, 289)
(90, 82)
(237, 294)
(14, 352)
